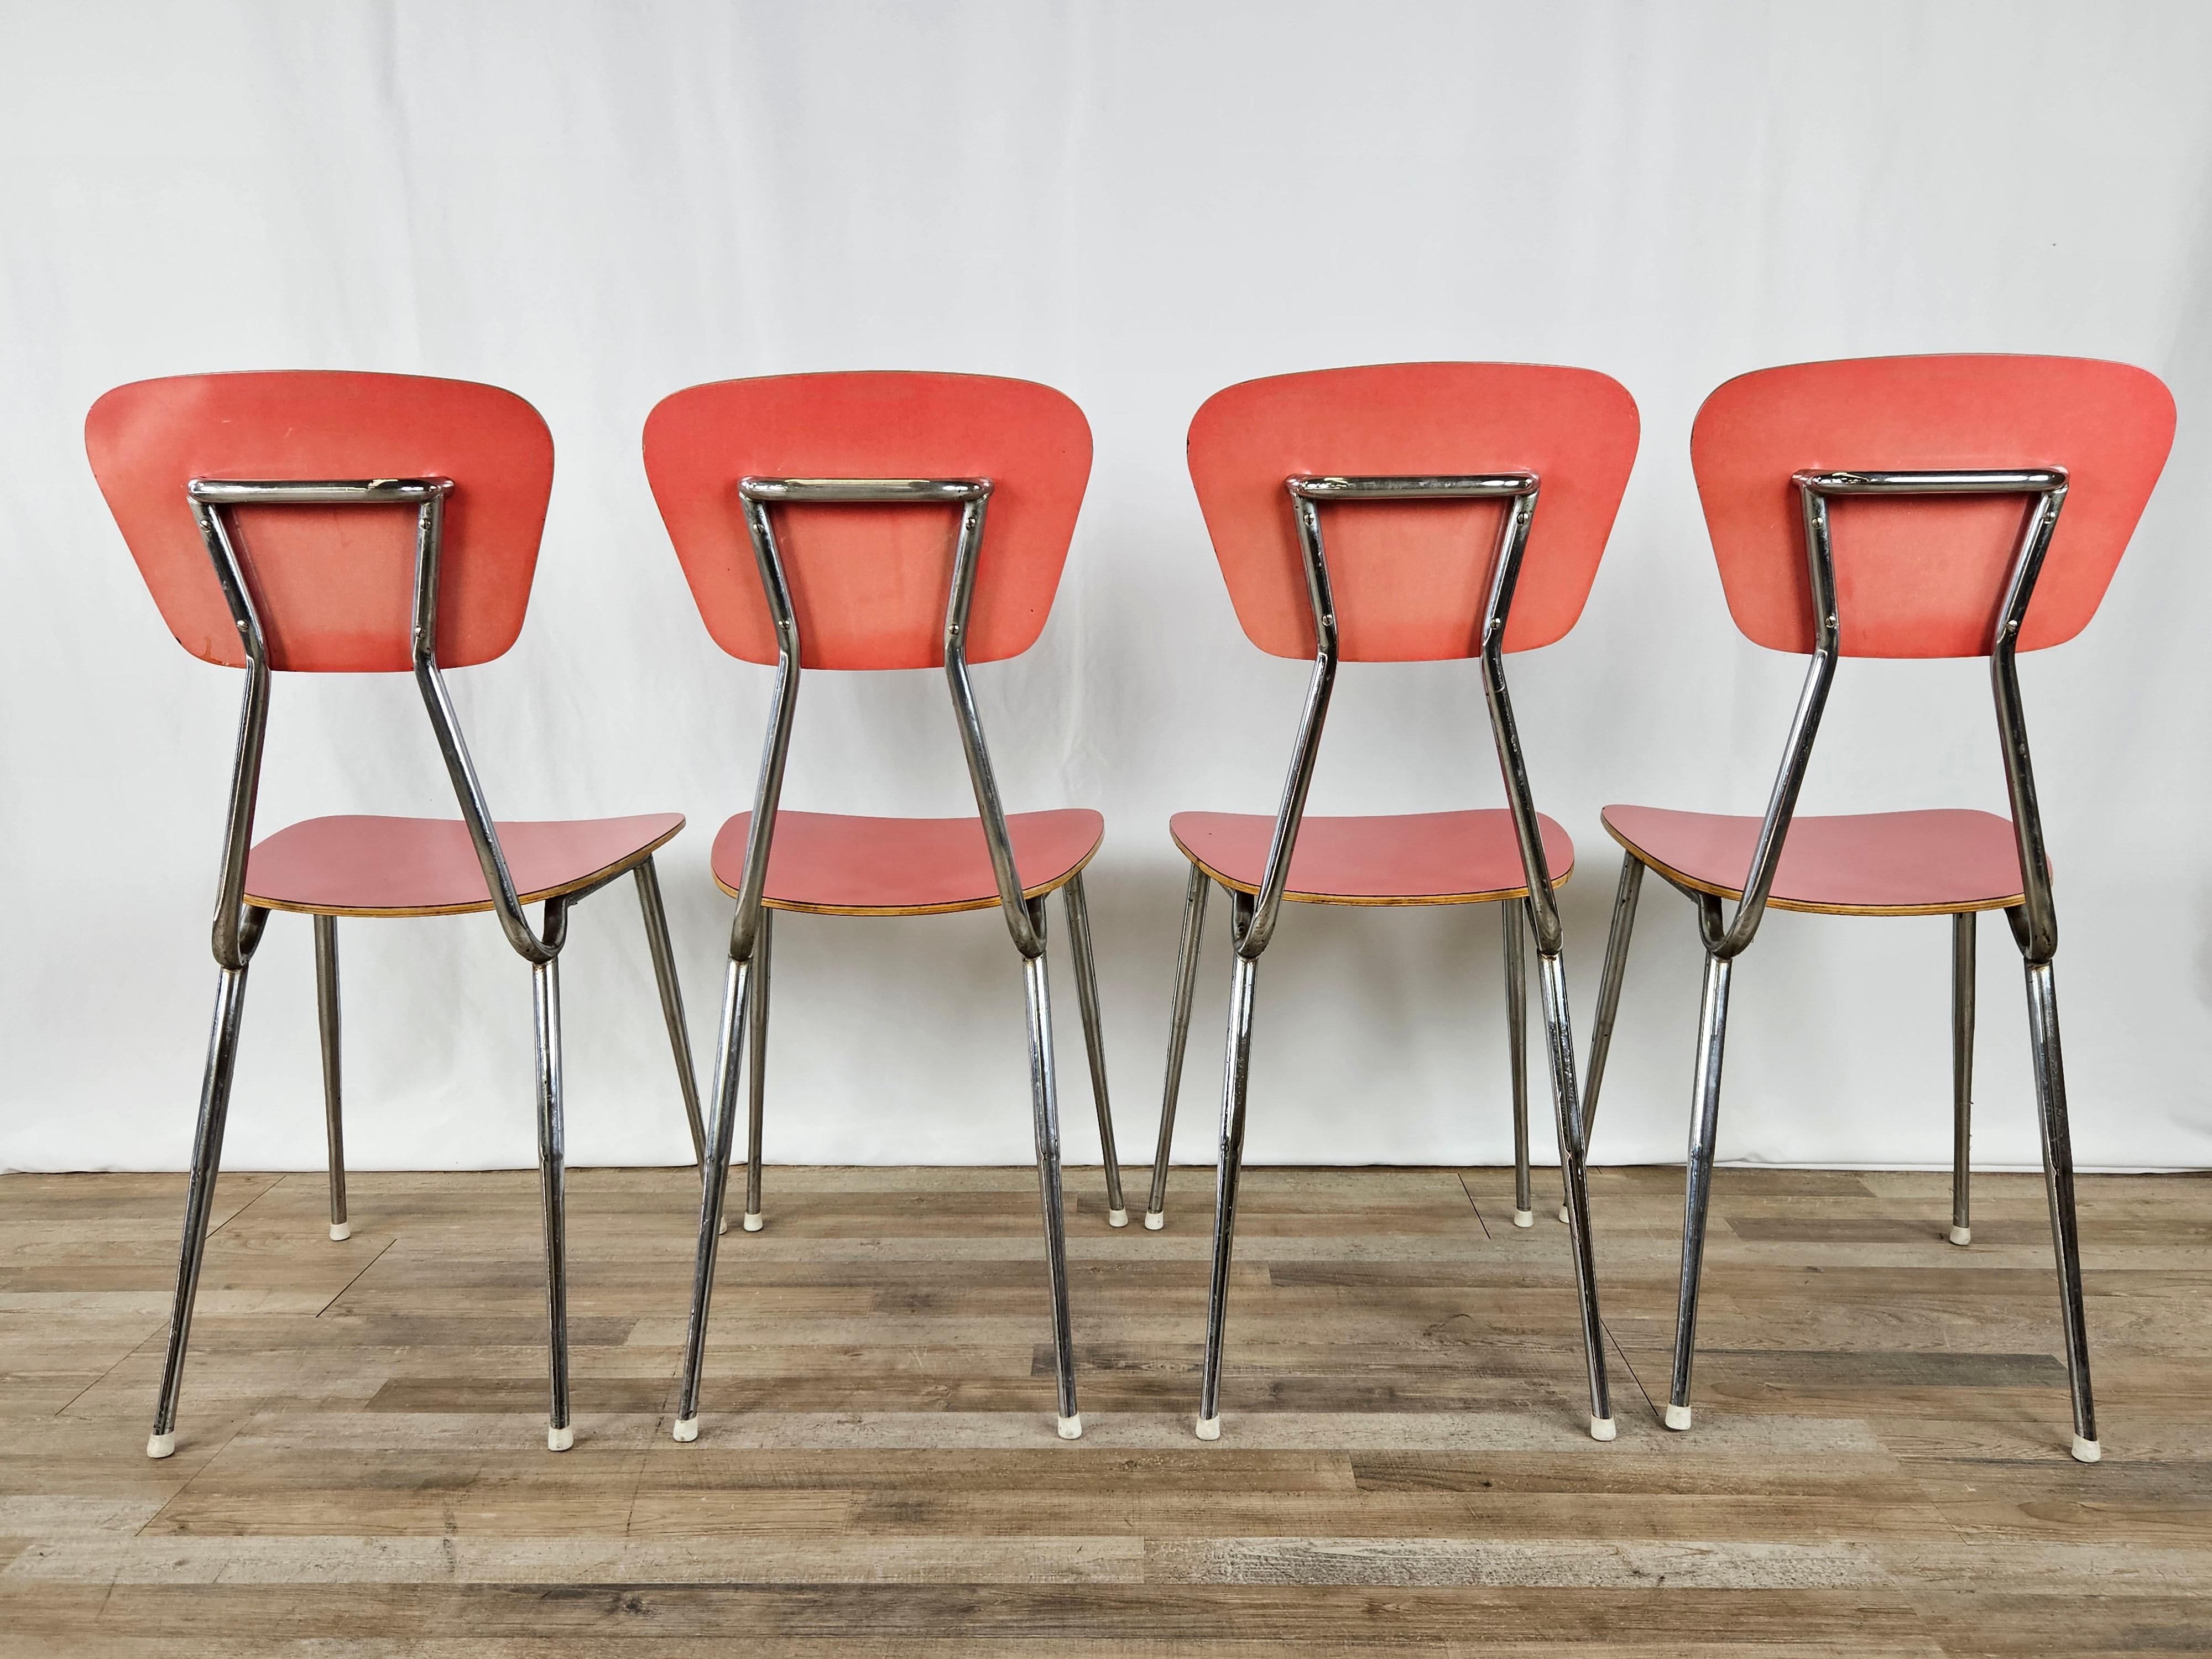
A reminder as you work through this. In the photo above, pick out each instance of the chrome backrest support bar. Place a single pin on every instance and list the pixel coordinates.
(2039, 929)
(972, 496)
(237, 926)
(1308, 493)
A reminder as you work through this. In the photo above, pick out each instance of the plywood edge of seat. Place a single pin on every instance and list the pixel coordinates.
(1805, 907)
(952, 907)
(1369, 901)
(621, 865)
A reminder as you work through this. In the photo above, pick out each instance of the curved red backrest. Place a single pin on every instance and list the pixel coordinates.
(334, 585)
(1411, 578)
(1925, 577)
(868, 582)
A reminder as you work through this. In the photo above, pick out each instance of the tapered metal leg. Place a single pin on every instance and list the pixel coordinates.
(326, 1008)
(1962, 1072)
(2059, 1186)
(1558, 1031)
(1236, 1078)
(199, 1199)
(1608, 990)
(1511, 914)
(1705, 1127)
(552, 1176)
(1186, 983)
(1044, 1096)
(1094, 1041)
(757, 1067)
(721, 1137)
(671, 1003)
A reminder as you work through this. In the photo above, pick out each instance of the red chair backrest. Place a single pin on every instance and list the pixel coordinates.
(869, 583)
(334, 585)
(1411, 579)
(1925, 576)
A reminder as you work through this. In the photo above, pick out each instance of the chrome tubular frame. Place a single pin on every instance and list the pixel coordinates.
(1516, 1053)
(1962, 1075)
(238, 924)
(746, 977)
(1608, 995)
(1186, 985)
(2033, 921)
(1254, 921)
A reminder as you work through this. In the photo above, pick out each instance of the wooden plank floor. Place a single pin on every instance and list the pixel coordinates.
(1879, 1466)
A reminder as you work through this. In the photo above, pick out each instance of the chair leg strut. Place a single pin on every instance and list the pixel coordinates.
(1608, 991)
(1512, 916)
(1704, 1124)
(545, 985)
(1094, 1040)
(1236, 1077)
(327, 1011)
(671, 1003)
(1186, 981)
(199, 1199)
(757, 1067)
(2058, 1188)
(1558, 1030)
(713, 1190)
(1044, 1094)
(1962, 1074)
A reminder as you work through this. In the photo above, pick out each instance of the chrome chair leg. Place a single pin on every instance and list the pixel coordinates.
(671, 1002)
(2059, 1186)
(1236, 1079)
(327, 1011)
(1608, 990)
(757, 1067)
(1705, 1128)
(1517, 1048)
(1962, 1072)
(545, 1003)
(1094, 1041)
(713, 1190)
(1044, 1096)
(199, 1200)
(1558, 1030)
(1186, 983)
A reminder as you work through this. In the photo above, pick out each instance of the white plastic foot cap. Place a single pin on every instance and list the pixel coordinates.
(1962, 1235)
(1071, 1428)
(1117, 1218)
(753, 1221)
(722, 1226)
(1562, 1215)
(1678, 1417)
(160, 1445)
(687, 1428)
(1209, 1428)
(1601, 1428)
(341, 1231)
(2087, 1451)
(1524, 1218)
(559, 1439)
(1155, 1219)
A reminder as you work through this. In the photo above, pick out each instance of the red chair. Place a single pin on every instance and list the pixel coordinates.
(330, 523)
(1425, 478)
(1899, 506)
(837, 521)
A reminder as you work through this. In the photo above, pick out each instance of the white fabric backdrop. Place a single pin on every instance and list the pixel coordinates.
(596, 205)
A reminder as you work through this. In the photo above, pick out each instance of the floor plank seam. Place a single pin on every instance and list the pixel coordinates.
(357, 1278)
(1479, 1219)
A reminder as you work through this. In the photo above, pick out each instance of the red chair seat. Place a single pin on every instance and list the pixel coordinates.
(382, 866)
(1410, 858)
(839, 865)
(1874, 864)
